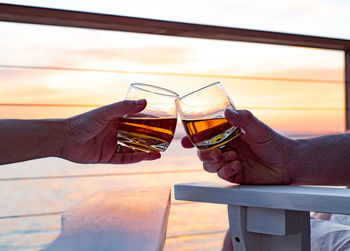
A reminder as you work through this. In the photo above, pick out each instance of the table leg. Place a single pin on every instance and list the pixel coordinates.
(264, 229)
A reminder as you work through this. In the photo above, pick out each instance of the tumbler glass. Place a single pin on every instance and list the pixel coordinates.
(153, 128)
(203, 115)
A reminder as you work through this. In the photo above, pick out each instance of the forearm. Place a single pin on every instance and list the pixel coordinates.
(30, 139)
(322, 161)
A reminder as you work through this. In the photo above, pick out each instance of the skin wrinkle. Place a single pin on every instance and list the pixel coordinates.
(73, 127)
(250, 117)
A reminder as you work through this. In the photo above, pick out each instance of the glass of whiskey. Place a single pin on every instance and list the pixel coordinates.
(203, 116)
(153, 128)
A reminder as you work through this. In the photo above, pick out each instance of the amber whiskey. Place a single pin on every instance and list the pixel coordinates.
(210, 133)
(147, 134)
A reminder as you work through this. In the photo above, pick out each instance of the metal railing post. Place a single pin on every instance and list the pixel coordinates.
(347, 88)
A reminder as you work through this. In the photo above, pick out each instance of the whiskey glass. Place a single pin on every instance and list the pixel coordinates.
(153, 128)
(203, 116)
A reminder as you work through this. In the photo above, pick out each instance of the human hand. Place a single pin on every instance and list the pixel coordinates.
(91, 137)
(258, 156)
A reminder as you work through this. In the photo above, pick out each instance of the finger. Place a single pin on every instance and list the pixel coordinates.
(186, 142)
(229, 170)
(213, 167)
(129, 158)
(126, 149)
(153, 155)
(119, 109)
(255, 130)
(210, 155)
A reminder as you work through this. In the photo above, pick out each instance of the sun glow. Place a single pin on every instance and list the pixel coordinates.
(90, 67)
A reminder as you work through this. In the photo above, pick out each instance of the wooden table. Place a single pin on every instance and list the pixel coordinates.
(126, 220)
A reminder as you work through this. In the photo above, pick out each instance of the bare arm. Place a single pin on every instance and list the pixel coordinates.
(262, 156)
(322, 160)
(30, 139)
(90, 137)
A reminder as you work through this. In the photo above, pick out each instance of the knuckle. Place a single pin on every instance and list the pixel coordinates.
(229, 155)
(245, 117)
(248, 114)
(127, 103)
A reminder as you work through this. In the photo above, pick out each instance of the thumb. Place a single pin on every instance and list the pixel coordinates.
(186, 142)
(119, 109)
(255, 130)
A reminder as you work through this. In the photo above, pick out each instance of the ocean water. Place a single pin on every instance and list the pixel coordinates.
(34, 194)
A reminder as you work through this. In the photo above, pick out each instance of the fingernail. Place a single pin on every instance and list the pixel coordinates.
(230, 155)
(140, 102)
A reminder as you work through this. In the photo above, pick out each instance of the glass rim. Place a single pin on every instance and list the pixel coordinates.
(139, 86)
(204, 87)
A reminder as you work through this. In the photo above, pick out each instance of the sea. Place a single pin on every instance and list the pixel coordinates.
(34, 195)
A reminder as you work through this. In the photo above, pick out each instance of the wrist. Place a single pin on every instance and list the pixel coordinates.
(30, 139)
(299, 162)
(50, 137)
(57, 139)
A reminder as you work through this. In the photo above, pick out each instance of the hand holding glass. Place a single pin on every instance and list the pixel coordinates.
(153, 128)
(203, 116)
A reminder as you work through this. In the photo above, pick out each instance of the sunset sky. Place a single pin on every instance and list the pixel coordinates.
(178, 63)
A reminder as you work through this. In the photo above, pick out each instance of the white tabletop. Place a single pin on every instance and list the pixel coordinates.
(300, 198)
